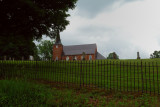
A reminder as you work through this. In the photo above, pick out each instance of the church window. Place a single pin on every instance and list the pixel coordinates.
(56, 58)
(56, 46)
(90, 57)
(67, 58)
(74, 58)
(82, 57)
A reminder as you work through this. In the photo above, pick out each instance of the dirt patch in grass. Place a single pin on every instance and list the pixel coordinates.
(98, 97)
(60, 94)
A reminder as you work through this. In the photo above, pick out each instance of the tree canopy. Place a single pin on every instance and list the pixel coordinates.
(45, 49)
(155, 54)
(27, 20)
(34, 17)
(113, 55)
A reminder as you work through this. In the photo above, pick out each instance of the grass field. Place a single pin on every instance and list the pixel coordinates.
(22, 93)
(114, 75)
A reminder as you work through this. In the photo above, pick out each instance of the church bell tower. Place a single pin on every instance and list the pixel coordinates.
(57, 49)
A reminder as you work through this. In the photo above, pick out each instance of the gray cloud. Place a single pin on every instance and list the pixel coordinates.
(92, 30)
(107, 40)
(109, 29)
(90, 8)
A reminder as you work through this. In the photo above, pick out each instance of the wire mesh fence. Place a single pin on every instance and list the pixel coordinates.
(109, 75)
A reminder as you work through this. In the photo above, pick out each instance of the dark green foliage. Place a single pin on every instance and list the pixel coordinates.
(13, 93)
(113, 56)
(155, 54)
(36, 56)
(22, 21)
(32, 18)
(45, 49)
(16, 47)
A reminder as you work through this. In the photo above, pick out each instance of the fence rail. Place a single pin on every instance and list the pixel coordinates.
(109, 75)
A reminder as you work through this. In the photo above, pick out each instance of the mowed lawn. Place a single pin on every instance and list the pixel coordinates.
(114, 75)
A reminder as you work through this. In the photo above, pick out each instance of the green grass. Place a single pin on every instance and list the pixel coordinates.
(117, 75)
(23, 93)
(18, 93)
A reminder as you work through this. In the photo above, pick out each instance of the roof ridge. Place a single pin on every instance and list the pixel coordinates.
(82, 44)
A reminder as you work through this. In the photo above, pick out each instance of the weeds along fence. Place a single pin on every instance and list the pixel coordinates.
(126, 76)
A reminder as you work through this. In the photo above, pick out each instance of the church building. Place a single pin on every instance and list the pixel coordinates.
(76, 52)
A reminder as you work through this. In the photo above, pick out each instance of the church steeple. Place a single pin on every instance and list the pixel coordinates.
(58, 40)
(57, 48)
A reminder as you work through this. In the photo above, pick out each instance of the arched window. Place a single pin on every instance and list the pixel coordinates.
(82, 57)
(90, 57)
(56, 58)
(56, 46)
(67, 58)
(74, 58)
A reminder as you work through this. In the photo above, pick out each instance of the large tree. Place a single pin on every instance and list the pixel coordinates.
(113, 55)
(45, 49)
(26, 20)
(155, 54)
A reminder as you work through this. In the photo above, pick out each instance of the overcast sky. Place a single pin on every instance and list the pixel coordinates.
(121, 26)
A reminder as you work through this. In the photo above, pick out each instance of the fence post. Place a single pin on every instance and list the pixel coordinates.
(57, 71)
(70, 77)
(123, 77)
(153, 78)
(104, 73)
(62, 72)
(1, 71)
(101, 73)
(113, 77)
(86, 74)
(89, 72)
(120, 76)
(127, 76)
(98, 73)
(107, 75)
(92, 74)
(145, 77)
(138, 75)
(134, 77)
(80, 72)
(83, 71)
(131, 75)
(157, 79)
(36, 70)
(110, 76)
(149, 79)
(66, 72)
(142, 76)
(117, 74)
(75, 69)
(95, 73)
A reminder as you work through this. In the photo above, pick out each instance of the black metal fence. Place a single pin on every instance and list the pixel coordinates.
(110, 75)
